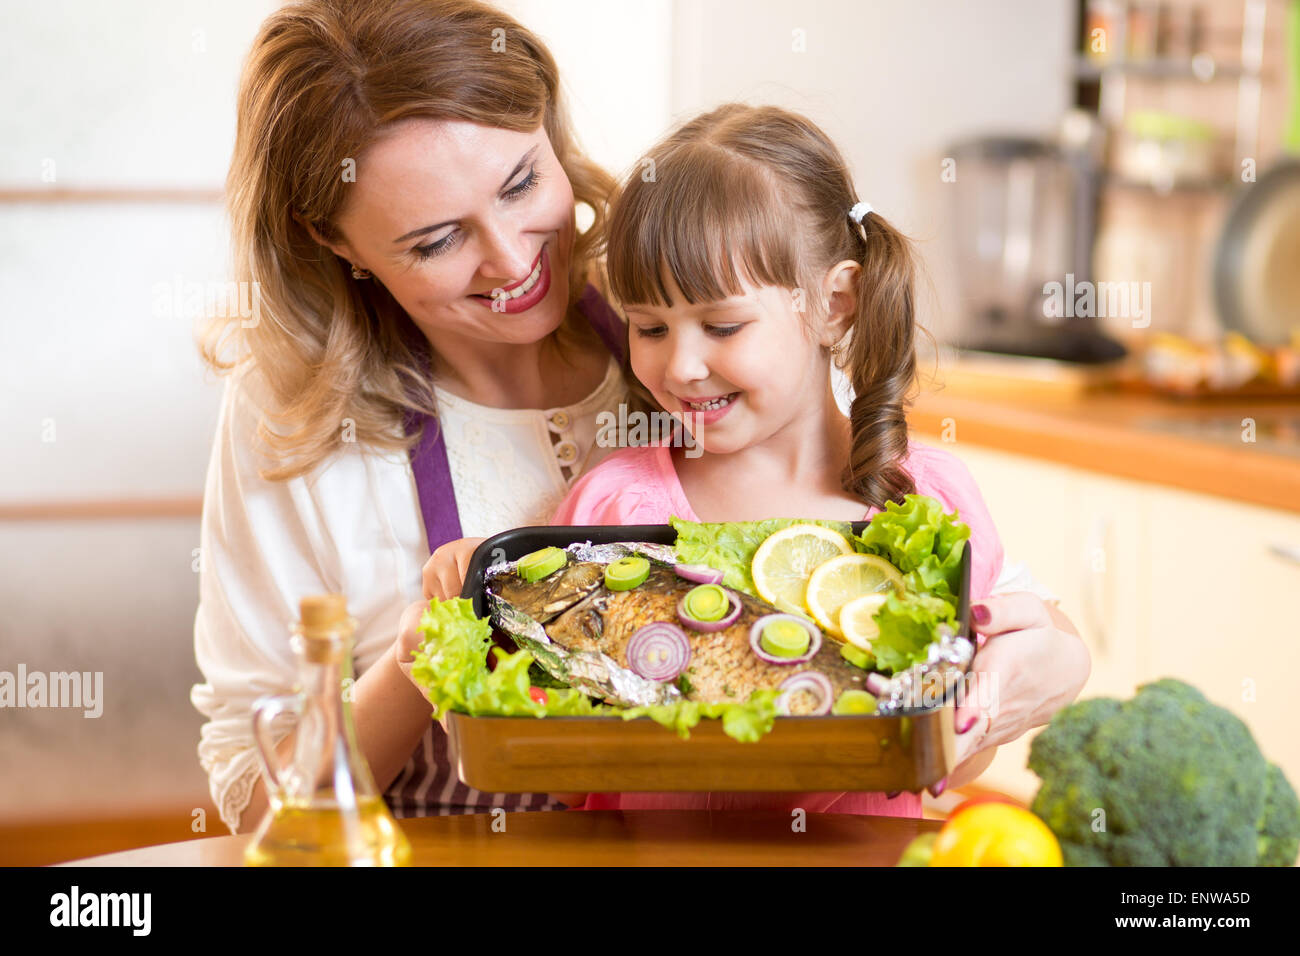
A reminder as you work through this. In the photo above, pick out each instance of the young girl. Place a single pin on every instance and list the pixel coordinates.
(746, 264)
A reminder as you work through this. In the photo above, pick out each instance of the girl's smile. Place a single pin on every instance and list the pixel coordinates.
(707, 411)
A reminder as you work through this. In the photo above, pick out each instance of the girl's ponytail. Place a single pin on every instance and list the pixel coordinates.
(881, 365)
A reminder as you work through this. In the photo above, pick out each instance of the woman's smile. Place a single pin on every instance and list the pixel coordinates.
(525, 293)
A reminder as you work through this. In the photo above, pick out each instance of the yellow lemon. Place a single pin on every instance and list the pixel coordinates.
(840, 580)
(996, 834)
(783, 563)
(856, 619)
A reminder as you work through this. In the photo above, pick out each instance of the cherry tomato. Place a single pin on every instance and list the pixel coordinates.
(975, 801)
(539, 695)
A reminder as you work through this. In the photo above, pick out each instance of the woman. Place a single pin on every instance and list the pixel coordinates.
(403, 195)
(380, 193)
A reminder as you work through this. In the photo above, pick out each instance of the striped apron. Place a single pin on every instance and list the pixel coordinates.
(429, 785)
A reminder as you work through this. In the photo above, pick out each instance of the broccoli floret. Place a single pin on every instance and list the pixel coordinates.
(1278, 824)
(1164, 779)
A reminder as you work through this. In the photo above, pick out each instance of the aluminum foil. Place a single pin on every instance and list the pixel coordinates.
(928, 684)
(591, 672)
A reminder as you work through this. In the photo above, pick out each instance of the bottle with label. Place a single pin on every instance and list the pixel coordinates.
(324, 807)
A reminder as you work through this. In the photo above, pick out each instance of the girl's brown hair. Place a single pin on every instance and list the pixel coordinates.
(325, 78)
(762, 192)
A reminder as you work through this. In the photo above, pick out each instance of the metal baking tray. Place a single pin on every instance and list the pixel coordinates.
(907, 750)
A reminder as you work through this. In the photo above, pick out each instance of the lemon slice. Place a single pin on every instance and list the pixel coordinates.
(841, 580)
(783, 563)
(856, 624)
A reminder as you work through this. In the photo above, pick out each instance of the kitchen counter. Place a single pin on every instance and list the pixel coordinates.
(1161, 532)
(605, 838)
(1196, 445)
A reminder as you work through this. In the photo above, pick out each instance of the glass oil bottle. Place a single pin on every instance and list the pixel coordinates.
(324, 807)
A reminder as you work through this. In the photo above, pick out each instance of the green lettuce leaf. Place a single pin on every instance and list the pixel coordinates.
(746, 722)
(923, 541)
(749, 721)
(451, 666)
(908, 625)
(729, 546)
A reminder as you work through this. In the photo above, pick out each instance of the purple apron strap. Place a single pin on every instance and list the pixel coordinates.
(433, 482)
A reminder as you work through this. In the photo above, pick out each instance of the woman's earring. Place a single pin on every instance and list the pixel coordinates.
(360, 273)
(837, 349)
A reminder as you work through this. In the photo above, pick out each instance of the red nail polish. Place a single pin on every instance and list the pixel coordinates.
(967, 724)
(979, 613)
(938, 787)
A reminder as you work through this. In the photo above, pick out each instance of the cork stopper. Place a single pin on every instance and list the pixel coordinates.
(323, 612)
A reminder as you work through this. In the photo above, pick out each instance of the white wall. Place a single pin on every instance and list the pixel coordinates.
(616, 62)
(138, 92)
(102, 394)
(111, 95)
(893, 83)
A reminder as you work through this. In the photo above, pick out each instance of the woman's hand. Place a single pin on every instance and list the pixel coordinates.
(444, 576)
(408, 642)
(1030, 663)
(444, 572)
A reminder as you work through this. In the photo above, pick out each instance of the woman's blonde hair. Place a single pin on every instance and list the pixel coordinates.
(322, 82)
(763, 193)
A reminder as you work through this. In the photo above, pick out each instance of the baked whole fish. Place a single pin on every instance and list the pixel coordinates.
(586, 621)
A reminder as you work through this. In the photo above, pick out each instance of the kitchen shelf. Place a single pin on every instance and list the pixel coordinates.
(1188, 186)
(1160, 68)
(1101, 85)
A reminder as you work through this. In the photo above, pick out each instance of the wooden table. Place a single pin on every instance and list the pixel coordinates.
(605, 838)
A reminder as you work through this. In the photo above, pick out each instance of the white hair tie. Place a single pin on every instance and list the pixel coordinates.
(860, 212)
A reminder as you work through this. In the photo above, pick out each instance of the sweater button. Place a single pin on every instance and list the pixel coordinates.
(560, 420)
(566, 451)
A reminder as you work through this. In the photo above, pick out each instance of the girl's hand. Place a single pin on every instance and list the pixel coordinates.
(1029, 663)
(444, 572)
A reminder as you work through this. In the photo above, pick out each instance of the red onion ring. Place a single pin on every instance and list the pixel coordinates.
(721, 624)
(756, 638)
(643, 649)
(877, 685)
(814, 681)
(699, 573)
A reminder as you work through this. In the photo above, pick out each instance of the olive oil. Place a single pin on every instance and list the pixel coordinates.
(323, 836)
(324, 807)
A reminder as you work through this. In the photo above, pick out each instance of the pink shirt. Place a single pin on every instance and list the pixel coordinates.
(640, 486)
